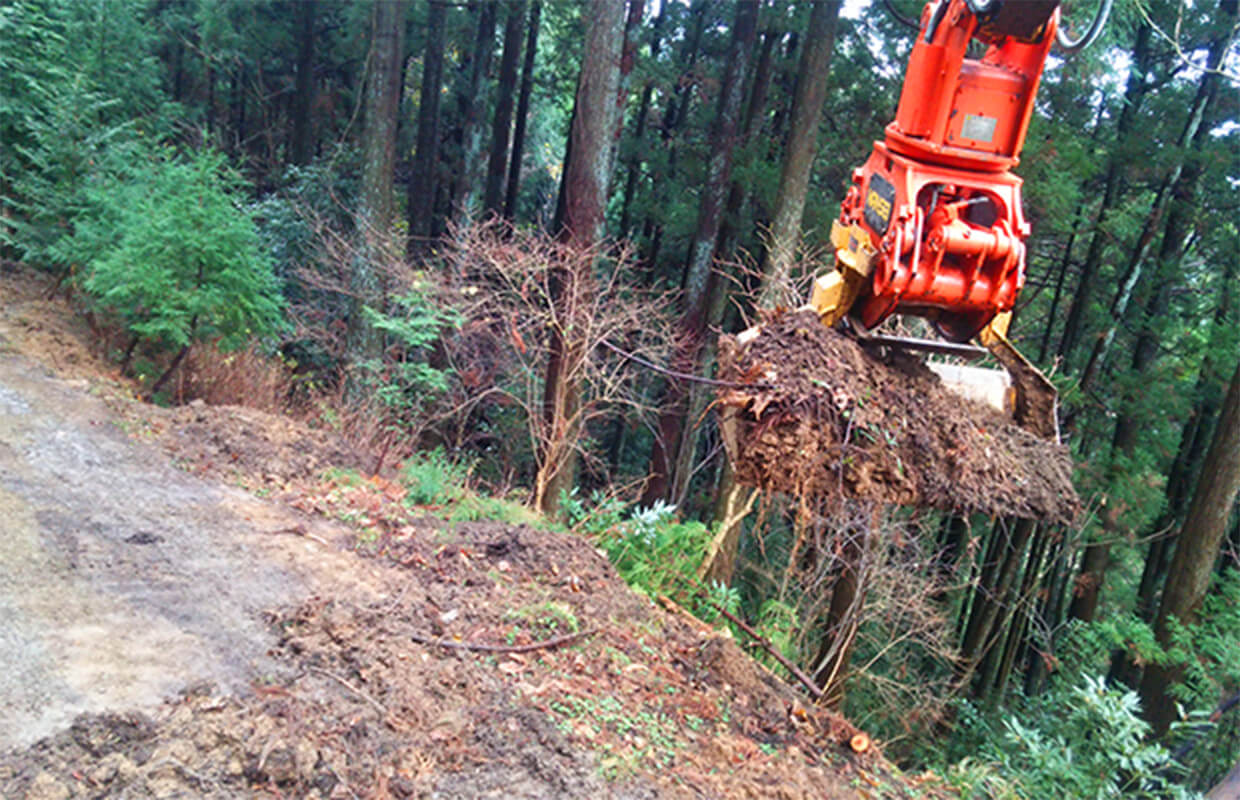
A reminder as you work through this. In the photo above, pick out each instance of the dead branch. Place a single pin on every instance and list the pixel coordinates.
(546, 644)
(300, 530)
(356, 691)
(766, 644)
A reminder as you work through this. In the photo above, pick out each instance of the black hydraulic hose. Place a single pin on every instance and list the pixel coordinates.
(900, 18)
(936, 17)
(1069, 47)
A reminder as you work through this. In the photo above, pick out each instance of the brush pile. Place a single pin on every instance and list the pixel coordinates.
(827, 417)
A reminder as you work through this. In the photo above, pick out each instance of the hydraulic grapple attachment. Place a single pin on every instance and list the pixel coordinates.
(932, 225)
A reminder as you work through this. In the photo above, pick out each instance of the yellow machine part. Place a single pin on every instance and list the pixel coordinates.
(835, 292)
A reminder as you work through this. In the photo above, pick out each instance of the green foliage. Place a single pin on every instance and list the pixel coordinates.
(1209, 652)
(654, 551)
(186, 264)
(1209, 648)
(439, 484)
(432, 478)
(407, 384)
(1085, 741)
(68, 149)
(30, 74)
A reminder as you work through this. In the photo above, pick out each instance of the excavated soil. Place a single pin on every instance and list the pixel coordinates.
(277, 663)
(646, 703)
(827, 418)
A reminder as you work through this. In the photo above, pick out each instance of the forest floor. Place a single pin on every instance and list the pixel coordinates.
(185, 613)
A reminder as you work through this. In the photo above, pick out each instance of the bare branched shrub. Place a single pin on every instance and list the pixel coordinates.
(891, 645)
(345, 275)
(505, 283)
(249, 377)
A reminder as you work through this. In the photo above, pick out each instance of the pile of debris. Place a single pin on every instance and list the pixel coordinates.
(810, 411)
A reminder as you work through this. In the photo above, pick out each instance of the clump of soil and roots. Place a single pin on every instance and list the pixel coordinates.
(812, 412)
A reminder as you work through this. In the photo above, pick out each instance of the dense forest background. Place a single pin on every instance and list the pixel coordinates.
(490, 239)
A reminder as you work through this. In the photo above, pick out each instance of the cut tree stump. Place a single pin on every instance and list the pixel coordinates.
(826, 418)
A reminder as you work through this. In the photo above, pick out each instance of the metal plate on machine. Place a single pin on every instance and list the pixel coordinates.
(979, 128)
(879, 198)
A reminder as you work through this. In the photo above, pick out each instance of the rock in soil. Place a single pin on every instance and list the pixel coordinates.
(827, 418)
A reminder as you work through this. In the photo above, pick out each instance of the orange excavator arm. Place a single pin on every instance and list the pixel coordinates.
(932, 224)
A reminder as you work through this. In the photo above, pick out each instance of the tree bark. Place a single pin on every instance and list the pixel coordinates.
(382, 98)
(523, 113)
(798, 162)
(302, 145)
(700, 280)
(421, 191)
(1192, 566)
(501, 124)
(586, 178)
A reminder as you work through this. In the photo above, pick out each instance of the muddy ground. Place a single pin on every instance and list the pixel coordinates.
(166, 634)
(815, 413)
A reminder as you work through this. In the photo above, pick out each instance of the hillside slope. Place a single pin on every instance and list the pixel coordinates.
(169, 635)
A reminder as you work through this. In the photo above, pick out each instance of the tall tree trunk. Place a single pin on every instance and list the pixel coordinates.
(470, 104)
(995, 681)
(301, 147)
(990, 609)
(700, 279)
(1182, 473)
(830, 667)
(586, 178)
(1049, 609)
(674, 116)
(422, 182)
(523, 113)
(501, 124)
(811, 92)
(1134, 92)
(1088, 587)
(728, 508)
(634, 161)
(1192, 566)
(1180, 184)
(1178, 191)
(387, 34)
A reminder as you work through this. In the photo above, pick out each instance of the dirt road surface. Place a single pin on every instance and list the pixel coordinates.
(122, 579)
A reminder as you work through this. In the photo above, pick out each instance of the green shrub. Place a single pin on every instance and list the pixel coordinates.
(433, 479)
(186, 264)
(405, 383)
(436, 482)
(652, 550)
(1087, 740)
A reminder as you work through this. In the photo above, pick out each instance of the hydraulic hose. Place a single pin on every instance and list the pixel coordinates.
(903, 20)
(1069, 47)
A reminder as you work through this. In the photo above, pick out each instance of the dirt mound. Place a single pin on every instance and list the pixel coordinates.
(828, 418)
(641, 704)
(33, 323)
(260, 449)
